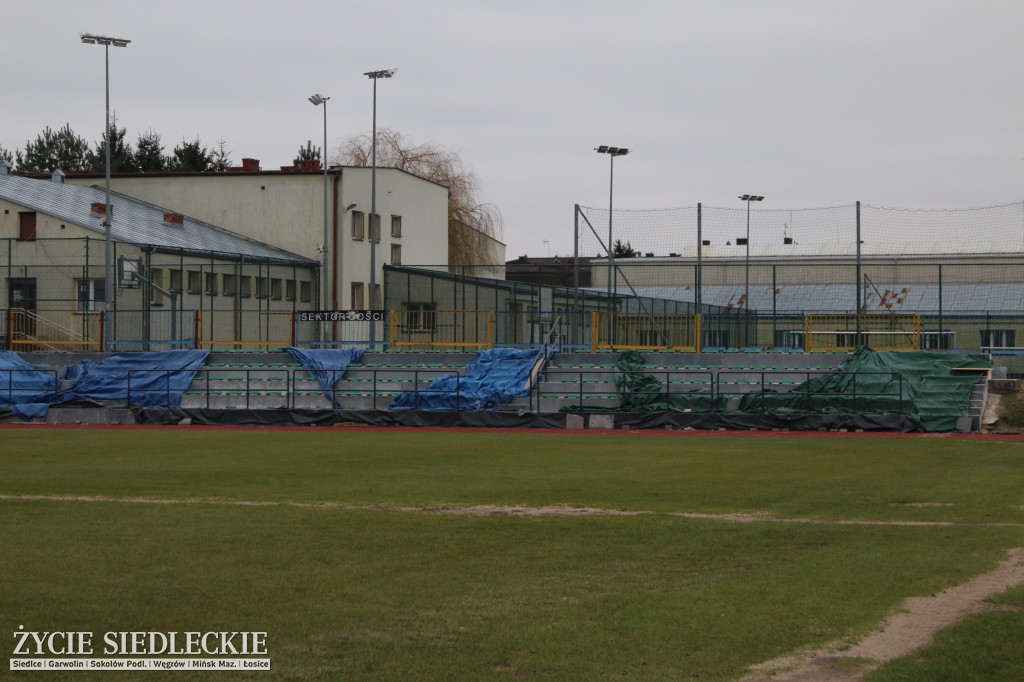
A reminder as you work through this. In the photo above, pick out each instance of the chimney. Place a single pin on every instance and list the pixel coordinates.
(100, 207)
(309, 164)
(57, 176)
(250, 164)
(174, 218)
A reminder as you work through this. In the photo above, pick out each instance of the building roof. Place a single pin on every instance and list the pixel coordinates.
(242, 171)
(134, 221)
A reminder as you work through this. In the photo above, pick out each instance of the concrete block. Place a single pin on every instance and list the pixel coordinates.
(1004, 385)
(964, 424)
(602, 421)
(574, 421)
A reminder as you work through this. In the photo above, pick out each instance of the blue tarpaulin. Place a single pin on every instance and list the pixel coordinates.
(496, 376)
(156, 379)
(27, 389)
(326, 365)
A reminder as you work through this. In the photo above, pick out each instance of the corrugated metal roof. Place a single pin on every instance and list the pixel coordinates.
(135, 222)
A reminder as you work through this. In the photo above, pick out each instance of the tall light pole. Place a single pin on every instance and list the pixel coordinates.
(317, 100)
(746, 287)
(374, 227)
(108, 270)
(612, 153)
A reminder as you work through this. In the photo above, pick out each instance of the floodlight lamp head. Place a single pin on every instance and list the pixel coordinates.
(383, 73)
(751, 197)
(614, 151)
(92, 39)
(318, 99)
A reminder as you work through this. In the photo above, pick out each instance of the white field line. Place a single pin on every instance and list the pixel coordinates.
(496, 510)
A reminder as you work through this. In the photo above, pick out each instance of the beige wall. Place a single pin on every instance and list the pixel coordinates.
(285, 209)
(841, 270)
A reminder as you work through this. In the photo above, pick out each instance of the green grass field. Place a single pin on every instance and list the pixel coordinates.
(348, 565)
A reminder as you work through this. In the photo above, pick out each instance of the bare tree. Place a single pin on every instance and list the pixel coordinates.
(472, 226)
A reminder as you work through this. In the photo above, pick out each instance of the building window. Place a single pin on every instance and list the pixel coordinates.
(211, 284)
(376, 228)
(396, 254)
(396, 226)
(195, 282)
(376, 297)
(175, 281)
(246, 290)
(289, 290)
(90, 294)
(27, 225)
(228, 285)
(938, 340)
(358, 229)
(275, 289)
(419, 317)
(305, 292)
(262, 287)
(998, 339)
(358, 296)
(157, 277)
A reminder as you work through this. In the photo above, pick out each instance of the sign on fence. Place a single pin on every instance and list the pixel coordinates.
(342, 315)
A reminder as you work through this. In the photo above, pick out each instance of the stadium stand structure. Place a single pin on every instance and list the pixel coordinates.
(862, 390)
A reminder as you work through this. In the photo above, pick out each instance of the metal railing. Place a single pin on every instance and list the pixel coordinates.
(10, 390)
(48, 330)
(73, 330)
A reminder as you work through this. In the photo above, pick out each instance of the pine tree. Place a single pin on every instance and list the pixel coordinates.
(149, 152)
(220, 160)
(63, 150)
(122, 158)
(189, 157)
(307, 153)
(620, 250)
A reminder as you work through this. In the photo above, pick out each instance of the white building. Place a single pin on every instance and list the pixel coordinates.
(285, 209)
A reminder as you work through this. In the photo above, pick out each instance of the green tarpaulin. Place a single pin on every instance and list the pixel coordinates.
(926, 386)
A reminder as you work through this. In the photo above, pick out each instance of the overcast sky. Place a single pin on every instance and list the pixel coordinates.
(812, 103)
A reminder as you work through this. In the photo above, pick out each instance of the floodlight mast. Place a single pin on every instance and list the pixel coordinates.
(108, 212)
(316, 100)
(374, 226)
(612, 153)
(746, 287)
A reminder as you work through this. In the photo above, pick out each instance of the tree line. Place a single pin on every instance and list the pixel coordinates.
(66, 150)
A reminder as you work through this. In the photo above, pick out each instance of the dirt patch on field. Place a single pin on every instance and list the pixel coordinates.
(499, 510)
(910, 629)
